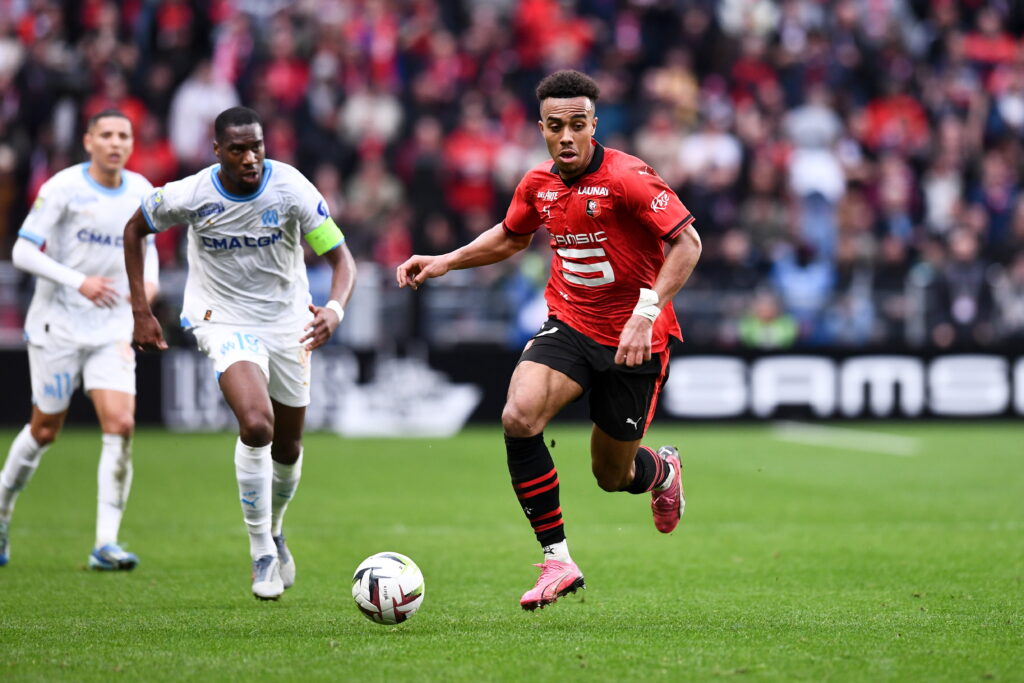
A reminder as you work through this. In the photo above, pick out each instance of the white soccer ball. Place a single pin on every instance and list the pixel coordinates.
(388, 588)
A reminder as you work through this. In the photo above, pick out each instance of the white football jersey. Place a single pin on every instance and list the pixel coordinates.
(245, 260)
(80, 224)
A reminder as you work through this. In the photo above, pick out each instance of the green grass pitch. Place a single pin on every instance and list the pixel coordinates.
(841, 560)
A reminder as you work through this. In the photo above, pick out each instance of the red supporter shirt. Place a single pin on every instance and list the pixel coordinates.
(607, 229)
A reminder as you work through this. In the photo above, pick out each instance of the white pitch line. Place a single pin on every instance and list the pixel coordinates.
(845, 438)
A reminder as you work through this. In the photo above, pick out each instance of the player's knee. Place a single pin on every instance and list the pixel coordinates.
(122, 425)
(517, 423)
(256, 428)
(45, 431)
(286, 452)
(45, 434)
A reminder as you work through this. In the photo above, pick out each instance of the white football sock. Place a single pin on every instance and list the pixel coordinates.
(22, 460)
(114, 481)
(557, 551)
(668, 480)
(286, 480)
(253, 472)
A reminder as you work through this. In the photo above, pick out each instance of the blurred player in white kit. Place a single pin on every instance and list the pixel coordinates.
(79, 326)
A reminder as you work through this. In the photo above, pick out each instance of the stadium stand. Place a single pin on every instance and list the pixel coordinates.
(855, 167)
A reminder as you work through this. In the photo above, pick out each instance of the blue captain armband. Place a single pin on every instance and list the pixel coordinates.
(325, 237)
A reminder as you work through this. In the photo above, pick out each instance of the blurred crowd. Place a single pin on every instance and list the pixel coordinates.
(854, 165)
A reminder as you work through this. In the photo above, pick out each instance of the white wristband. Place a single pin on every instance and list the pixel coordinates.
(336, 307)
(647, 304)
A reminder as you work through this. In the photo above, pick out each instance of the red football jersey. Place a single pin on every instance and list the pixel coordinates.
(607, 229)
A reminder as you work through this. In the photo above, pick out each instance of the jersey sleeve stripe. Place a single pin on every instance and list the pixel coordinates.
(32, 237)
(510, 231)
(149, 221)
(682, 225)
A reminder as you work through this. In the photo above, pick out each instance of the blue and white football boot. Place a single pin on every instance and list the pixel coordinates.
(266, 578)
(112, 557)
(3, 544)
(287, 562)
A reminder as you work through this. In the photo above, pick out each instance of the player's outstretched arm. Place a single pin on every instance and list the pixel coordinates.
(96, 288)
(327, 318)
(147, 334)
(635, 340)
(491, 246)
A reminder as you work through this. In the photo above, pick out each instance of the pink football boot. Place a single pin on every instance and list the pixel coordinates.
(668, 505)
(556, 579)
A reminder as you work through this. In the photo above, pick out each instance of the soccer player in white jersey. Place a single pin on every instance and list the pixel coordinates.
(247, 302)
(79, 324)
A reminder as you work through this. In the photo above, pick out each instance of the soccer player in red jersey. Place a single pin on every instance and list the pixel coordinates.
(610, 218)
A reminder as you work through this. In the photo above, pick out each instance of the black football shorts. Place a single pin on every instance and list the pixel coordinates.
(622, 399)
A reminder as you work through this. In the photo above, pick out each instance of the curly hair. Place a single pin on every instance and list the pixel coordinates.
(568, 83)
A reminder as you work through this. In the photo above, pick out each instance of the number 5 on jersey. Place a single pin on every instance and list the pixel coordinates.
(572, 263)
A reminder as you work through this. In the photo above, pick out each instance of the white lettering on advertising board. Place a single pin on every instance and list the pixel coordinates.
(956, 385)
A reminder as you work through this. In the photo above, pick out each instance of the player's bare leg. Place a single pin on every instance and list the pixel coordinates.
(22, 460)
(286, 453)
(612, 461)
(245, 389)
(116, 413)
(629, 466)
(46, 427)
(536, 394)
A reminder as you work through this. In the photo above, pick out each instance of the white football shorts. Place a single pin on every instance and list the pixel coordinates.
(277, 351)
(56, 372)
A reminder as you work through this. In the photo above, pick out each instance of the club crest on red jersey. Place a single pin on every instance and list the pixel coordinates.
(593, 208)
(660, 203)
